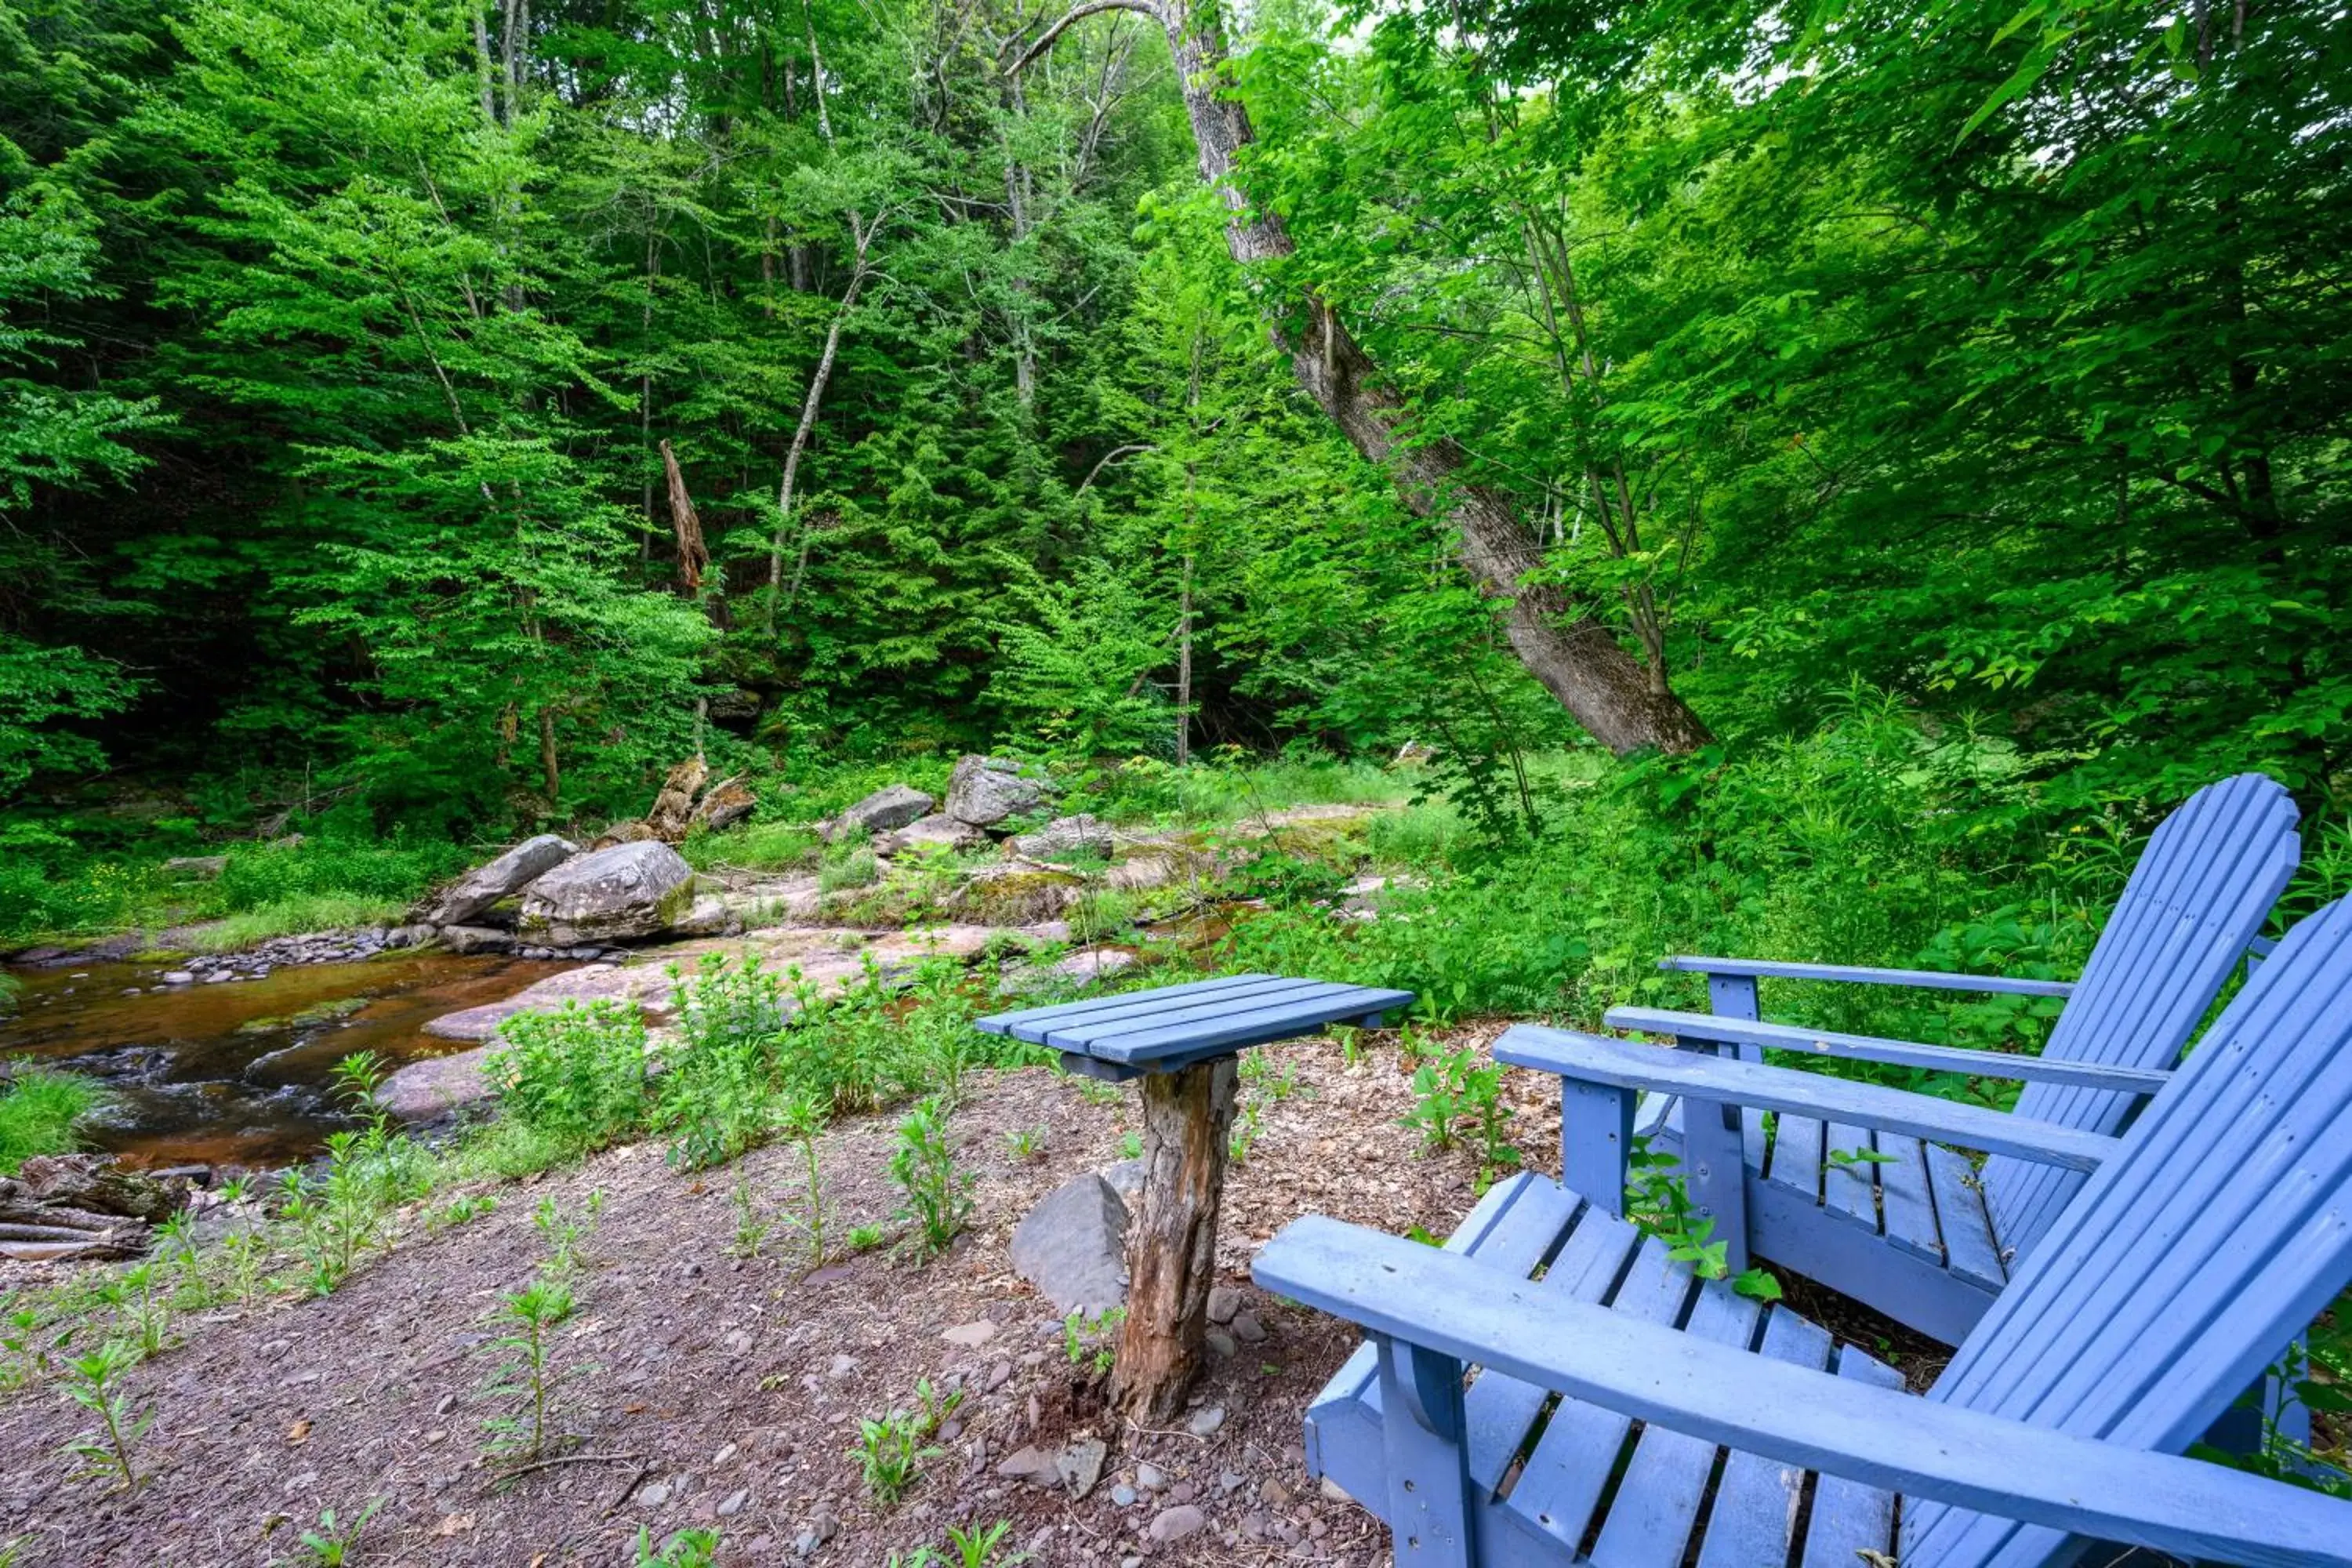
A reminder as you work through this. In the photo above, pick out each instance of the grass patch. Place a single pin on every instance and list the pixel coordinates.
(297, 915)
(38, 1110)
(761, 846)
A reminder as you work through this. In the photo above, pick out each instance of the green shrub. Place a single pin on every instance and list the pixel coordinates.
(717, 1099)
(847, 867)
(576, 1076)
(38, 1110)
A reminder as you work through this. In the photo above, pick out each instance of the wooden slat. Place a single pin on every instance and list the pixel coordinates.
(1874, 1048)
(1929, 979)
(2201, 893)
(1907, 1212)
(1564, 1478)
(2184, 1267)
(1657, 1502)
(1502, 1410)
(1798, 1150)
(1034, 1023)
(1970, 1250)
(1851, 1517)
(1793, 1093)
(1191, 1029)
(1755, 1510)
(1850, 1191)
(2106, 1490)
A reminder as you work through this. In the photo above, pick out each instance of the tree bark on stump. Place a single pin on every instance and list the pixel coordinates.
(1172, 1247)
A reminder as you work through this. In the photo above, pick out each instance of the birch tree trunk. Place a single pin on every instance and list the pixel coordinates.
(1622, 700)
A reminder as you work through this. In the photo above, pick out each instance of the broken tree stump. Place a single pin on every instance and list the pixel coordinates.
(1171, 1244)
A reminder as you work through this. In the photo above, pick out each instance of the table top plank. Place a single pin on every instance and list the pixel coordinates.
(1036, 1023)
(1173, 1025)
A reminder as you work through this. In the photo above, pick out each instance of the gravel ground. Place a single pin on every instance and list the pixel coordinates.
(719, 1391)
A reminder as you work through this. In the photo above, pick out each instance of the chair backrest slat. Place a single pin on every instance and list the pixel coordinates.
(2197, 898)
(2189, 1262)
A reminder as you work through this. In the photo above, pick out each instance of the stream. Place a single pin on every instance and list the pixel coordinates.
(239, 1073)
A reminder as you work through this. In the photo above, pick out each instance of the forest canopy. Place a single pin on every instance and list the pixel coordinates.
(462, 411)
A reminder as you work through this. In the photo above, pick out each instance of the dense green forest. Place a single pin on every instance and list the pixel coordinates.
(433, 418)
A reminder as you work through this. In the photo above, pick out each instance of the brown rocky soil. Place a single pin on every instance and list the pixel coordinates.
(722, 1391)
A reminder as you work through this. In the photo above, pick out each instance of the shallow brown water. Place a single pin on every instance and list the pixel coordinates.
(232, 1073)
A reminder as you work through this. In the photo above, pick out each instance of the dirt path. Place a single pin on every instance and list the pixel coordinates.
(736, 1385)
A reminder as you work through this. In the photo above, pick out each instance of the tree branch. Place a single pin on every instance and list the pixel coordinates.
(1092, 7)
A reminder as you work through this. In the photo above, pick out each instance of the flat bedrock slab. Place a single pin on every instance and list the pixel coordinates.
(472, 896)
(628, 892)
(1073, 1246)
(1065, 836)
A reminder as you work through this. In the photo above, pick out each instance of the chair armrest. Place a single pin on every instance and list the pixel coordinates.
(1926, 979)
(1477, 1314)
(1623, 1065)
(1870, 1048)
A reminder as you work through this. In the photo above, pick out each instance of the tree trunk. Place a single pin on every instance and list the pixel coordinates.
(1622, 702)
(1184, 667)
(777, 594)
(1172, 1247)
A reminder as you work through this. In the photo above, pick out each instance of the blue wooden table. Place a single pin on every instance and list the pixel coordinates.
(1183, 1043)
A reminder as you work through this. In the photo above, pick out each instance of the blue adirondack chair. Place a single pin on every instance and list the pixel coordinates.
(2209, 1234)
(1914, 1230)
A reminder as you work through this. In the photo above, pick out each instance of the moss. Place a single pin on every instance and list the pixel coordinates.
(1018, 898)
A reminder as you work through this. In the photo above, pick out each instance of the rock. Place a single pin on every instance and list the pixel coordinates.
(197, 868)
(1011, 894)
(736, 707)
(476, 939)
(1123, 1495)
(1126, 1179)
(410, 936)
(473, 895)
(723, 805)
(708, 915)
(878, 812)
(1142, 873)
(1149, 1477)
(1073, 1246)
(844, 1365)
(1273, 1493)
(1089, 964)
(734, 1504)
(938, 830)
(1206, 1420)
(1065, 836)
(1221, 1343)
(437, 1086)
(970, 1336)
(1081, 1465)
(179, 977)
(1247, 1329)
(654, 1495)
(674, 806)
(630, 831)
(1032, 1465)
(984, 790)
(610, 895)
(1176, 1523)
(1225, 1301)
(1335, 1491)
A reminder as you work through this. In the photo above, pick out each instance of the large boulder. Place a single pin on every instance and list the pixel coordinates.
(1065, 836)
(984, 790)
(628, 892)
(879, 813)
(472, 896)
